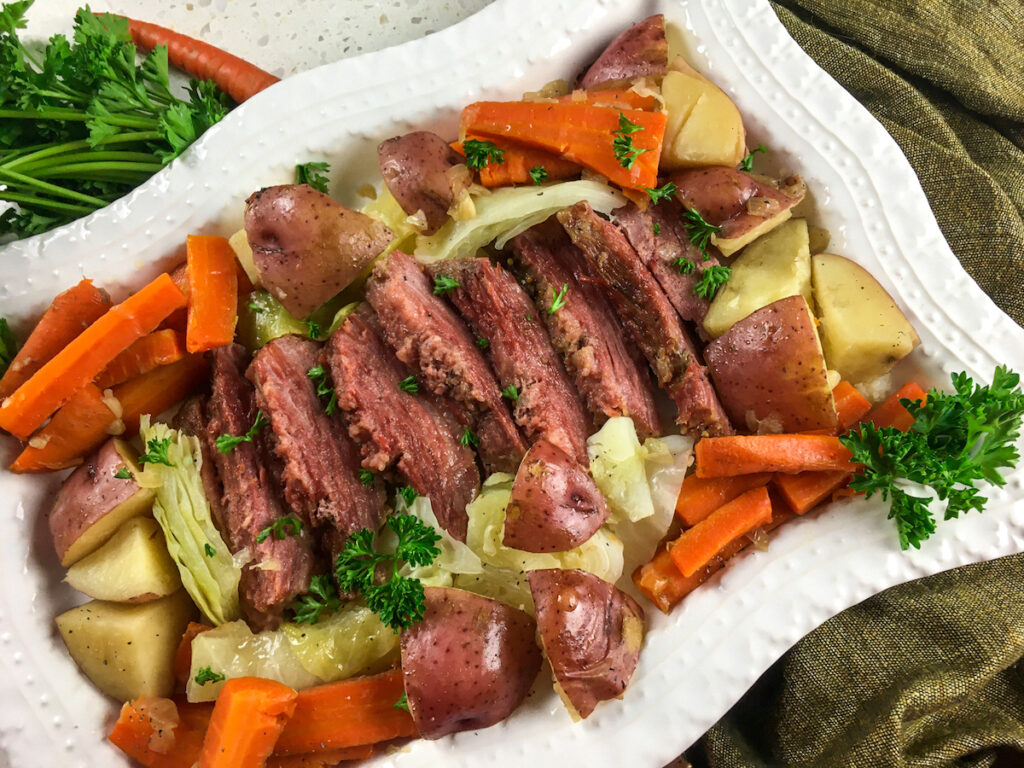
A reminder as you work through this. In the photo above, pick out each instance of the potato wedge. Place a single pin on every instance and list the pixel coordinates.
(93, 503)
(127, 650)
(776, 266)
(132, 567)
(704, 127)
(864, 333)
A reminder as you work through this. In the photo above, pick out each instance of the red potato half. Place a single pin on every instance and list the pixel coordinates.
(769, 368)
(93, 503)
(592, 633)
(743, 205)
(640, 51)
(306, 247)
(555, 504)
(468, 664)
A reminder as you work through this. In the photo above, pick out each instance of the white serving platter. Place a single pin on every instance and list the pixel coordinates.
(699, 660)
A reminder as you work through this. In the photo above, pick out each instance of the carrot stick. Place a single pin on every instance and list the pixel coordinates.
(151, 351)
(323, 759)
(213, 293)
(70, 313)
(247, 720)
(699, 497)
(665, 586)
(347, 714)
(236, 77)
(891, 413)
(183, 656)
(851, 405)
(519, 160)
(581, 133)
(747, 454)
(86, 420)
(698, 545)
(141, 733)
(88, 354)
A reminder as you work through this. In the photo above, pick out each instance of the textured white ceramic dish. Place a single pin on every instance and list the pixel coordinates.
(699, 660)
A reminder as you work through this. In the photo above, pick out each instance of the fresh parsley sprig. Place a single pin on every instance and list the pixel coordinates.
(747, 163)
(207, 675)
(227, 443)
(664, 192)
(366, 477)
(538, 174)
(711, 279)
(444, 284)
(409, 384)
(699, 231)
(511, 392)
(322, 596)
(398, 600)
(622, 145)
(558, 298)
(156, 452)
(313, 174)
(324, 391)
(469, 439)
(123, 474)
(957, 438)
(480, 154)
(280, 529)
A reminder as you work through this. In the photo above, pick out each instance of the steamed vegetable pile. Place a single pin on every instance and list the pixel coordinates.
(506, 323)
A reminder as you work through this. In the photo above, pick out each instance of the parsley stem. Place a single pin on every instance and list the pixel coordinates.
(87, 157)
(9, 176)
(71, 169)
(43, 202)
(49, 150)
(124, 121)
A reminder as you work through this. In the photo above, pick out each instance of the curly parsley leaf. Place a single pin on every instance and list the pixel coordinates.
(366, 477)
(207, 675)
(511, 392)
(468, 439)
(444, 284)
(622, 145)
(538, 174)
(711, 279)
(657, 194)
(403, 702)
(409, 384)
(747, 163)
(683, 265)
(156, 452)
(480, 154)
(227, 443)
(699, 230)
(324, 391)
(123, 474)
(322, 596)
(408, 494)
(482, 343)
(313, 174)
(280, 529)
(209, 550)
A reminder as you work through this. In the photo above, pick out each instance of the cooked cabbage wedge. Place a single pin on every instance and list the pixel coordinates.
(351, 641)
(504, 213)
(617, 466)
(183, 513)
(455, 557)
(385, 209)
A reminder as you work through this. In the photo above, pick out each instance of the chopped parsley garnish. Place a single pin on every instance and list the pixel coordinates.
(366, 477)
(409, 384)
(313, 174)
(322, 596)
(408, 494)
(683, 265)
(403, 702)
(256, 307)
(625, 151)
(313, 329)
(539, 174)
(957, 438)
(227, 443)
(280, 529)
(699, 230)
(558, 299)
(482, 343)
(747, 163)
(323, 390)
(656, 228)
(209, 550)
(207, 675)
(399, 601)
(8, 346)
(711, 279)
(156, 452)
(123, 474)
(480, 154)
(444, 284)
(511, 393)
(664, 192)
(468, 439)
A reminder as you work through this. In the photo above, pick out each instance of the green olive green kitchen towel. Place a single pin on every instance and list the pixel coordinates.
(930, 673)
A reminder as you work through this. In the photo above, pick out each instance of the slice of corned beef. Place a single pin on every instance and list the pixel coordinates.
(528, 368)
(650, 319)
(320, 462)
(584, 329)
(191, 419)
(396, 428)
(279, 569)
(429, 337)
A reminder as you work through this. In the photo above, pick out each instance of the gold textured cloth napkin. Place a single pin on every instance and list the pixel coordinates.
(931, 673)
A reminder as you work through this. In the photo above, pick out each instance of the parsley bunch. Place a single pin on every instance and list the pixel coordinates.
(957, 438)
(398, 600)
(81, 124)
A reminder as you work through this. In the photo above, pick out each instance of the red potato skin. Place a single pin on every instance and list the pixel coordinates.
(640, 51)
(306, 246)
(555, 505)
(779, 343)
(468, 664)
(591, 631)
(416, 168)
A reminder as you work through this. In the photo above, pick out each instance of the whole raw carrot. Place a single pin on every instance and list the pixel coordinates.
(70, 313)
(151, 351)
(90, 352)
(698, 545)
(347, 714)
(699, 496)
(144, 733)
(247, 720)
(212, 294)
(236, 77)
(747, 454)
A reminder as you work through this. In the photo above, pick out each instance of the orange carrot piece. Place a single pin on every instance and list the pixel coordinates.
(83, 423)
(141, 733)
(851, 405)
(247, 720)
(213, 293)
(699, 496)
(519, 160)
(235, 76)
(70, 313)
(89, 353)
(349, 713)
(323, 759)
(891, 413)
(747, 454)
(698, 545)
(183, 656)
(151, 351)
(581, 133)
(806, 490)
(665, 586)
